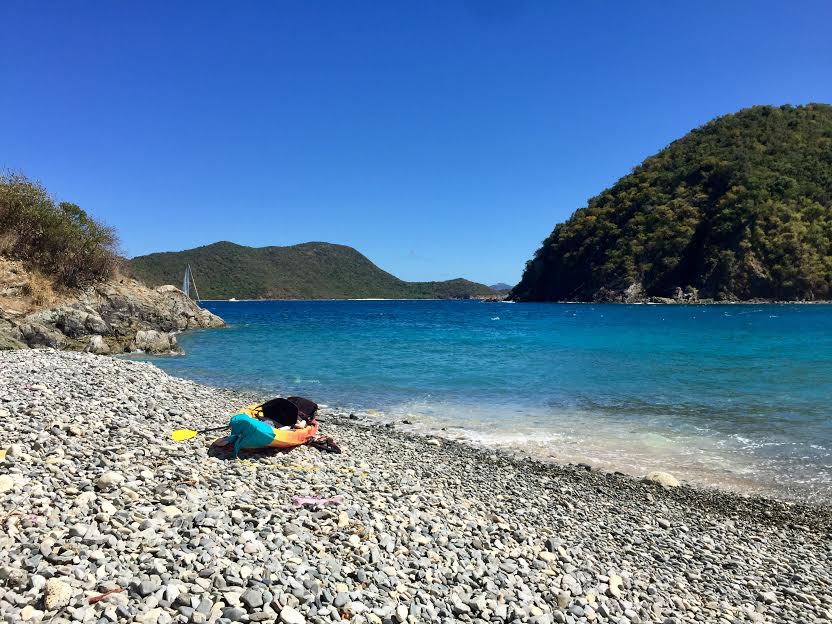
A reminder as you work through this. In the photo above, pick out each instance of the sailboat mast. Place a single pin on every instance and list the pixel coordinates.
(194, 281)
(186, 282)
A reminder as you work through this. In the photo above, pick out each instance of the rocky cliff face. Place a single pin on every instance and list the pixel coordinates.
(120, 316)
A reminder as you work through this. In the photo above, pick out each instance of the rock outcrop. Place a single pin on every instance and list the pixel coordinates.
(118, 316)
(665, 479)
(636, 293)
(153, 341)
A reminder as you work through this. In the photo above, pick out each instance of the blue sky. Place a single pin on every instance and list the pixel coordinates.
(440, 138)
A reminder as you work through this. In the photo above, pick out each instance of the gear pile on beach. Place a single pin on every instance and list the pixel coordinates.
(105, 519)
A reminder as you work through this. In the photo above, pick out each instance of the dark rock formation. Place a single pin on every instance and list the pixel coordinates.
(113, 317)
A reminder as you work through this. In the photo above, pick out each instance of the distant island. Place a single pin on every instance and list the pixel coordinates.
(314, 270)
(739, 209)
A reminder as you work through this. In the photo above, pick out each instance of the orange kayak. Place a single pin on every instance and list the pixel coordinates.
(284, 439)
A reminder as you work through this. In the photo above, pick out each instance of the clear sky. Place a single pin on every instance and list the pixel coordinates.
(439, 138)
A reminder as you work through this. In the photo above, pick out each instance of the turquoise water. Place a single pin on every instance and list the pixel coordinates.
(731, 396)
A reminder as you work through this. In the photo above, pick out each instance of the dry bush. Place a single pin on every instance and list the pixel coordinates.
(60, 239)
(8, 240)
(40, 291)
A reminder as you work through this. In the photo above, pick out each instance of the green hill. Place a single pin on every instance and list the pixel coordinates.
(307, 271)
(740, 208)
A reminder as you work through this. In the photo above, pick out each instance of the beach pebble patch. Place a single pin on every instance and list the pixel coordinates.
(103, 518)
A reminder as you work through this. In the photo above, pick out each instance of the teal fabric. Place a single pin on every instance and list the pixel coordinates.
(248, 432)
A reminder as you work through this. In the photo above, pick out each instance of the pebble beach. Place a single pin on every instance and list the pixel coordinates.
(105, 519)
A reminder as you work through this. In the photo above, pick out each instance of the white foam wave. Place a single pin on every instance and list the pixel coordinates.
(612, 443)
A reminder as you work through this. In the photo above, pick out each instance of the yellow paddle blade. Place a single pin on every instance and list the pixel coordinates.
(181, 435)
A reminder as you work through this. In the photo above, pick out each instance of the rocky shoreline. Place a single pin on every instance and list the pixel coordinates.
(119, 316)
(96, 498)
(636, 294)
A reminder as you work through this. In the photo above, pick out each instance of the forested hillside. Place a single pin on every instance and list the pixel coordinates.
(740, 208)
(307, 271)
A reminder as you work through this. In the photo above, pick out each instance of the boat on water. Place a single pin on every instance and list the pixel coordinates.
(187, 281)
(233, 299)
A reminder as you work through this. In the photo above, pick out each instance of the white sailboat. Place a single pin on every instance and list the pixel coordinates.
(186, 282)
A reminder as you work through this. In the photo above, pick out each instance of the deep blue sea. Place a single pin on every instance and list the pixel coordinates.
(729, 396)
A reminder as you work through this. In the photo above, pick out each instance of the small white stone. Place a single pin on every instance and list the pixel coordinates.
(151, 617)
(110, 480)
(768, 597)
(170, 511)
(665, 479)
(30, 613)
(614, 589)
(232, 598)
(107, 507)
(289, 616)
(56, 594)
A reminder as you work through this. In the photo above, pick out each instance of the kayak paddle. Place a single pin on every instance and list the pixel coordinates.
(180, 435)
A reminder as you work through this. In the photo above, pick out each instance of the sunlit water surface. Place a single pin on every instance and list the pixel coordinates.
(729, 396)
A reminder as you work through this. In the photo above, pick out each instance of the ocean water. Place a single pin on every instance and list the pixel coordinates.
(727, 396)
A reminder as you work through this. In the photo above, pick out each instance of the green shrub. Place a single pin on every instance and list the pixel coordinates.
(58, 239)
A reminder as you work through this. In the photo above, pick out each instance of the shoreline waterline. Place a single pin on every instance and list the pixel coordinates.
(375, 423)
(547, 447)
(720, 396)
(487, 299)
